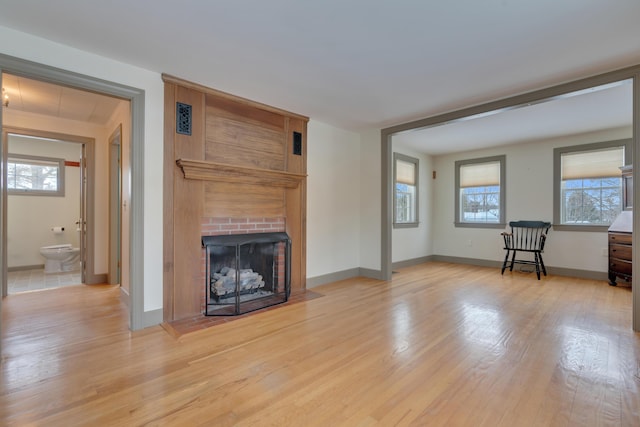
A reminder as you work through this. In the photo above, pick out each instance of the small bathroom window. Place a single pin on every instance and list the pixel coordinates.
(35, 176)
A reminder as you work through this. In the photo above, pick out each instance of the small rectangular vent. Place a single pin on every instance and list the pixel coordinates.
(297, 143)
(183, 118)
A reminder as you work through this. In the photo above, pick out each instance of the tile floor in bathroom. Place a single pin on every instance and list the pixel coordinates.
(34, 280)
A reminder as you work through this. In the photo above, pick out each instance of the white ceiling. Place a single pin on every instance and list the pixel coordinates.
(607, 107)
(42, 98)
(354, 64)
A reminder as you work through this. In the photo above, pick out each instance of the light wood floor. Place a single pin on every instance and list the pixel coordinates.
(439, 345)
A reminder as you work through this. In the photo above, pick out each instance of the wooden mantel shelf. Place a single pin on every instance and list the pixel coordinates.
(210, 171)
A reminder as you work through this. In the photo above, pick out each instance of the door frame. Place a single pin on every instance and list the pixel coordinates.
(34, 70)
(86, 195)
(386, 155)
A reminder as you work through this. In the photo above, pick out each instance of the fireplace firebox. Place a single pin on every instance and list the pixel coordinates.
(246, 272)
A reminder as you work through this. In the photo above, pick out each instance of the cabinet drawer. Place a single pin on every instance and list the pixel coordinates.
(620, 251)
(620, 266)
(621, 238)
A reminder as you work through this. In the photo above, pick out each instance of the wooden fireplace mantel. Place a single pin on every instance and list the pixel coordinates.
(212, 171)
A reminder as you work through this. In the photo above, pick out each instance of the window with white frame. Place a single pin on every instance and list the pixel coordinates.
(35, 176)
(480, 192)
(405, 195)
(588, 184)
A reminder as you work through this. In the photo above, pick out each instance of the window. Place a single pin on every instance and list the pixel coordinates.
(35, 176)
(480, 192)
(405, 194)
(588, 184)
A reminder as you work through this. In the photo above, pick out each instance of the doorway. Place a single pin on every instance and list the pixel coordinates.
(62, 113)
(527, 99)
(46, 178)
(59, 115)
(135, 170)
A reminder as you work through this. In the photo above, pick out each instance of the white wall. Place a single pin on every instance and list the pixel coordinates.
(412, 243)
(333, 199)
(36, 49)
(30, 218)
(529, 193)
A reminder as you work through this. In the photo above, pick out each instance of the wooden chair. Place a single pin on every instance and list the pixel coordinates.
(526, 236)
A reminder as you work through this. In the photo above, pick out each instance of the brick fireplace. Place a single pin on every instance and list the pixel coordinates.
(227, 226)
(216, 226)
(232, 166)
(245, 272)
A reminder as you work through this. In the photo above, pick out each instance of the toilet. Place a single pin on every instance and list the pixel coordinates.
(60, 258)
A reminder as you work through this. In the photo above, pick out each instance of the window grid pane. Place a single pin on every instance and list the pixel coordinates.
(591, 201)
(480, 204)
(405, 203)
(33, 175)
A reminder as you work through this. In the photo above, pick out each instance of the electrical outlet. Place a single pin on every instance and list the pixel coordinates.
(469, 242)
(605, 252)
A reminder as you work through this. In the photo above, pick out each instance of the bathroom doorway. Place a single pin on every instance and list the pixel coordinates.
(75, 128)
(130, 112)
(47, 179)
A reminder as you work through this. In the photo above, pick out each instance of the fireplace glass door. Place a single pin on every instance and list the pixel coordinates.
(246, 272)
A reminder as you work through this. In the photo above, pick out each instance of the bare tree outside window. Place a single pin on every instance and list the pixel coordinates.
(588, 184)
(591, 201)
(480, 204)
(32, 175)
(405, 203)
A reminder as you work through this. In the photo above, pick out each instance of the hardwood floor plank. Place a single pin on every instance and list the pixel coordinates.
(438, 345)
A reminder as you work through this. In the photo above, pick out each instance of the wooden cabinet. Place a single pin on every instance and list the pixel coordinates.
(620, 263)
(621, 234)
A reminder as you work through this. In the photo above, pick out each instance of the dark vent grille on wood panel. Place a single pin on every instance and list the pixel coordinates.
(183, 118)
(297, 143)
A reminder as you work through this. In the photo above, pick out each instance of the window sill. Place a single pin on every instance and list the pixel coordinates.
(479, 225)
(406, 224)
(588, 228)
(38, 193)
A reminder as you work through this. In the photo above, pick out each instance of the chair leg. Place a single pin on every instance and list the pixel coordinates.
(544, 270)
(506, 260)
(513, 260)
(537, 259)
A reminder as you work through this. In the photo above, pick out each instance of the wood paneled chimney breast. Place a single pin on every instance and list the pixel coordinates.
(240, 160)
